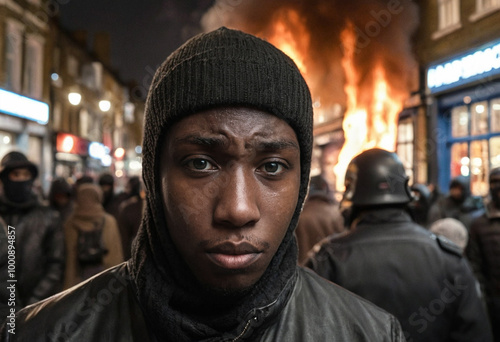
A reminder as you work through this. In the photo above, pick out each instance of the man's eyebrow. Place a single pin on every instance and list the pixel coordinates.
(276, 145)
(201, 141)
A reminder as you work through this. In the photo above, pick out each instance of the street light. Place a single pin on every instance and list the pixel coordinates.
(104, 105)
(74, 98)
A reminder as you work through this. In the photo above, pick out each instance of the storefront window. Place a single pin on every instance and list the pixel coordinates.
(474, 154)
(479, 118)
(459, 122)
(7, 143)
(479, 167)
(495, 152)
(495, 115)
(460, 160)
(405, 145)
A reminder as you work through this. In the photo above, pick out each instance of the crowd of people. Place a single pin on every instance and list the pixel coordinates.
(65, 238)
(234, 240)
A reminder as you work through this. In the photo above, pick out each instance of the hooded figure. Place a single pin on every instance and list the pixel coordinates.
(88, 216)
(226, 158)
(35, 232)
(483, 250)
(459, 204)
(320, 217)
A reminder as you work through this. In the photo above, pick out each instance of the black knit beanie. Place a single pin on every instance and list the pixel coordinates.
(222, 68)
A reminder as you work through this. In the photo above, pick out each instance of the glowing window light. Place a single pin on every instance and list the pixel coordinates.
(465, 161)
(119, 153)
(74, 98)
(104, 105)
(24, 107)
(480, 109)
(68, 144)
(464, 170)
(6, 139)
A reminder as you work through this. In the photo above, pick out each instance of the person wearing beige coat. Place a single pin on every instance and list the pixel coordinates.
(89, 215)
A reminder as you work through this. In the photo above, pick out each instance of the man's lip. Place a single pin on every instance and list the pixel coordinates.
(233, 256)
(233, 248)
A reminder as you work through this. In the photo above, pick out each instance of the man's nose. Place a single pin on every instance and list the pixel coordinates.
(237, 204)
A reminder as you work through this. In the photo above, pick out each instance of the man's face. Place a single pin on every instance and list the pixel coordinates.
(21, 174)
(230, 185)
(457, 193)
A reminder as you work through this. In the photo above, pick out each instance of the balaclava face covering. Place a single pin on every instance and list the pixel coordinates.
(223, 68)
(17, 192)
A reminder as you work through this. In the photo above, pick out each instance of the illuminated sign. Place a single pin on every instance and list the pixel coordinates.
(96, 150)
(70, 143)
(467, 68)
(24, 107)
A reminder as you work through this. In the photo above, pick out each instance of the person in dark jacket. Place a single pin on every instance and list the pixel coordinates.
(39, 242)
(420, 204)
(319, 218)
(130, 214)
(460, 204)
(226, 158)
(387, 258)
(61, 198)
(483, 250)
(110, 201)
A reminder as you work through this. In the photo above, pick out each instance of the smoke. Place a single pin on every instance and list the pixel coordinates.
(383, 29)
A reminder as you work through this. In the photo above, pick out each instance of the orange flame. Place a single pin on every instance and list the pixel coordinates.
(371, 124)
(372, 106)
(290, 36)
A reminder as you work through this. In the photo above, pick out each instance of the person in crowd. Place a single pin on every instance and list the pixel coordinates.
(61, 198)
(320, 217)
(111, 201)
(460, 204)
(130, 215)
(420, 205)
(226, 157)
(483, 250)
(92, 238)
(39, 241)
(453, 230)
(85, 179)
(387, 258)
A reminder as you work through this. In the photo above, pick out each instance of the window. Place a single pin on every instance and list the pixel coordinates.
(475, 142)
(485, 5)
(479, 118)
(449, 13)
(72, 66)
(13, 54)
(405, 145)
(459, 122)
(33, 71)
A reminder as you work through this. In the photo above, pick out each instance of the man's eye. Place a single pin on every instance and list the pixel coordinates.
(199, 164)
(273, 168)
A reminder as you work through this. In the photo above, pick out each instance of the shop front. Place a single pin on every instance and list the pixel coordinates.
(23, 127)
(464, 93)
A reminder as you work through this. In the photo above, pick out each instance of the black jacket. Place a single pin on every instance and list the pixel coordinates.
(39, 252)
(105, 308)
(422, 279)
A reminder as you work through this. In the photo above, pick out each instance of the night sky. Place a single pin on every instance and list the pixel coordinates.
(143, 33)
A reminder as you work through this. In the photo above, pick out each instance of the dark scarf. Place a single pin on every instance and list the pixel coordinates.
(178, 308)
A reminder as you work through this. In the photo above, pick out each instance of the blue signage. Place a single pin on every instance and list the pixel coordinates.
(24, 107)
(464, 69)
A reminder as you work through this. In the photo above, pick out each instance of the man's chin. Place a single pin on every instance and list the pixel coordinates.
(228, 291)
